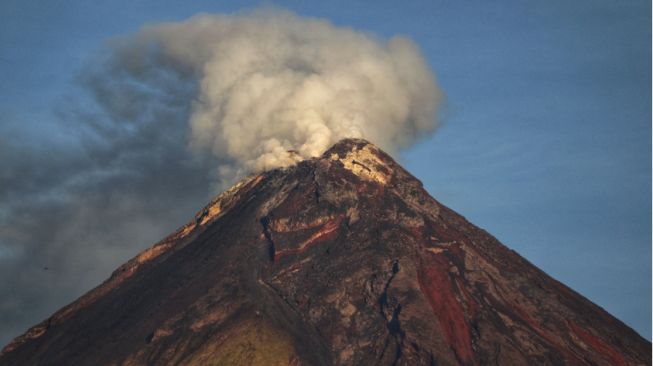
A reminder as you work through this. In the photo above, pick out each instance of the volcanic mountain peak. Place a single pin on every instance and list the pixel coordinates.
(341, 259)
(362, 158)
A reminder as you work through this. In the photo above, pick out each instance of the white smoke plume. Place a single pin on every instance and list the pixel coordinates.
(270, 81)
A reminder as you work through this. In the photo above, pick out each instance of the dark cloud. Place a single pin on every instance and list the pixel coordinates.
(121, 178)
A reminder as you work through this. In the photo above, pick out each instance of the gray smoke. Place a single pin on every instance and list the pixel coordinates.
(270, 81)
(167, 114)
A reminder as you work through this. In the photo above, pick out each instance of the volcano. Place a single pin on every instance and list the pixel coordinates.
(343, 259)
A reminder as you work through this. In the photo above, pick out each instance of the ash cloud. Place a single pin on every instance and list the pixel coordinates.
(71, 212)
(268, 82)
(171, 114)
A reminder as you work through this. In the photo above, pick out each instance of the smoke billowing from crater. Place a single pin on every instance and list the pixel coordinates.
(239, 90)
(267, 82)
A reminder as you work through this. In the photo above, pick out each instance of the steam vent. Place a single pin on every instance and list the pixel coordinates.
(343, 259)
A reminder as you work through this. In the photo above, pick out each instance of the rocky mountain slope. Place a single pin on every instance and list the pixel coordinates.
(339, 260)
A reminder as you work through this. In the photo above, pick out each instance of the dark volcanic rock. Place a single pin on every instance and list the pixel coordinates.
(342, 259)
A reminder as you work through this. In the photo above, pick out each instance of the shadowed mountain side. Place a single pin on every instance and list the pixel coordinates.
(343, 259)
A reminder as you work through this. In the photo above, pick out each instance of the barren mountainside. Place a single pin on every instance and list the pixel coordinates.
(343, 259)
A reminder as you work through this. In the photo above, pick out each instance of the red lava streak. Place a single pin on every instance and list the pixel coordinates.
(598, 345)
(326, 232)
(436, 284)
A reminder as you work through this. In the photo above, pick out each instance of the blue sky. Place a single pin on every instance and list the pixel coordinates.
(546, 134)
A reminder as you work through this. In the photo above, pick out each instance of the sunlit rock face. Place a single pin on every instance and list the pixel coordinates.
(338, 260)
